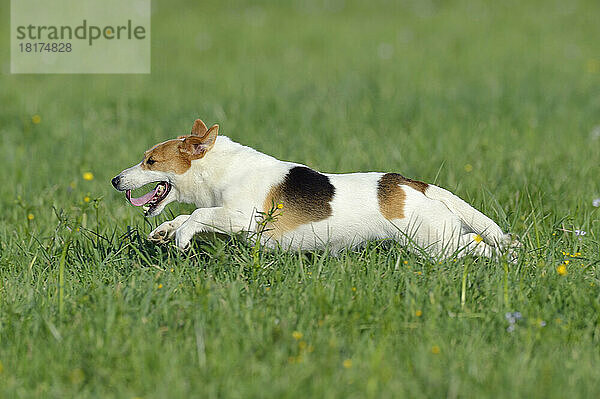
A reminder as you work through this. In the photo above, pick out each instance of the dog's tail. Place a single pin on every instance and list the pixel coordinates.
(476, 221)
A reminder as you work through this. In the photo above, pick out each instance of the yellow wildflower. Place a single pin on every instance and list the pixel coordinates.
(160, 286)
(353, 289)
(562, 270)
(419, 313)
(77, 376)
(279, 206)
(477, 238)
(89, 176)
(435, 349)
(593, 66)
(297, 335)
(86, 199)
(30, 216)
(36, 119)
(347, 363)
(302, 345)
(468, 168)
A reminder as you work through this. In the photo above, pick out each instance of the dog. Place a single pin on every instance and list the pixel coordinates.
(283, 204)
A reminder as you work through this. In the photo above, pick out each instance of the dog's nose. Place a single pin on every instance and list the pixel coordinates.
(115, 181)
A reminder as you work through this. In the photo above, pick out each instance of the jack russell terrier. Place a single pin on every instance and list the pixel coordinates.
(236, 188)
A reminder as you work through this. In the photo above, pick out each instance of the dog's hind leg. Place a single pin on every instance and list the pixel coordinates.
(166, 231)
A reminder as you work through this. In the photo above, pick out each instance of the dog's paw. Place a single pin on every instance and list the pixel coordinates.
(159, 237)
(163, 233)
(166, 231)
(513, 249)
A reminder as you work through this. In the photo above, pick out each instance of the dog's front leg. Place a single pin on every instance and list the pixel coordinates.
(166, 231)
(203, 220)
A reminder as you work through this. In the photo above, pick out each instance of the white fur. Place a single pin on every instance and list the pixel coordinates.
(230, 183)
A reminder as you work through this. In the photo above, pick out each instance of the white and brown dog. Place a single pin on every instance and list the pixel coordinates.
(236, 188)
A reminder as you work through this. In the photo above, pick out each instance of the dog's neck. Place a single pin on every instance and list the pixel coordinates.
(207, 179)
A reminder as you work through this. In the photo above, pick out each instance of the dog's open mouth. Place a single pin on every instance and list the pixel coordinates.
(152, 199)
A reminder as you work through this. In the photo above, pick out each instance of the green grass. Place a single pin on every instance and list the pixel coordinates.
(424, 89)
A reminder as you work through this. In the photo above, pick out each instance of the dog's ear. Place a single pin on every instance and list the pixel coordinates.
(196, 147)
(199, 128)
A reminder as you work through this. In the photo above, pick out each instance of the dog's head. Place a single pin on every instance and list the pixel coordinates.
(165, 163)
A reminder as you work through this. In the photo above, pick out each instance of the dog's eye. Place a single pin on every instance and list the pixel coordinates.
(150, 161)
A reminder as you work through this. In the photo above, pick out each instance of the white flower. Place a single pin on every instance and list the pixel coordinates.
(580, 232)
(596, 202)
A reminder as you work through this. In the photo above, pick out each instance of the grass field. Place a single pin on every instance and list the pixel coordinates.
(499, 103)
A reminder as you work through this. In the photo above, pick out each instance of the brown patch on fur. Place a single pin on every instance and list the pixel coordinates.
(167, 157)
(416, 184)
(305, 196)
(177, 155)
(391, 195)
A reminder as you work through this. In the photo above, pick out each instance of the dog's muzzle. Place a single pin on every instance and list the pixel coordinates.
(115, 181)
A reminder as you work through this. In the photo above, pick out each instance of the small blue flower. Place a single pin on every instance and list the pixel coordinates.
(518, 315)
(512, 318)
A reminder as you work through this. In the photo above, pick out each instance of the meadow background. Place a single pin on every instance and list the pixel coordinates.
(497, 101)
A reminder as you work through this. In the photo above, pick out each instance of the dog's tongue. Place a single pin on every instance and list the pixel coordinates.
(143, 200)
